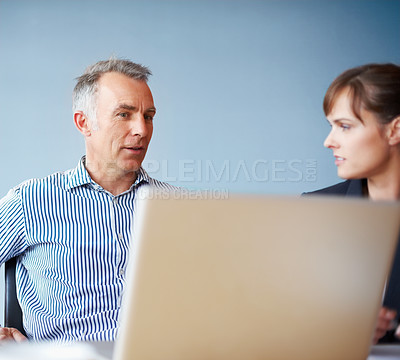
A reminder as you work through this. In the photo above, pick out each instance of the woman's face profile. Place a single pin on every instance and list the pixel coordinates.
(361, 148)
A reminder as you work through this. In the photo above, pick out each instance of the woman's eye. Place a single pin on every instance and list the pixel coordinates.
(345, 127)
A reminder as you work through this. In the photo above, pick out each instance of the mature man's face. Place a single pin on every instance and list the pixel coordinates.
(125, 111)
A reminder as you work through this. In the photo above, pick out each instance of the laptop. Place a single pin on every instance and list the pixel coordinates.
(248, 277)
(255, 277)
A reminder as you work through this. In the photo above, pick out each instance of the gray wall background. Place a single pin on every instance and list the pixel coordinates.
(238, 84)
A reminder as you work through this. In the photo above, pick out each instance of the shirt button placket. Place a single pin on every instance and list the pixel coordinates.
(117, 236)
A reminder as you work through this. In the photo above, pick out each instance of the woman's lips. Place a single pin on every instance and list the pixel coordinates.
(339, 160)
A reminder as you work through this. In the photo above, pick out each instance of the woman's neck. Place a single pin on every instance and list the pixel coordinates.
(385, 187)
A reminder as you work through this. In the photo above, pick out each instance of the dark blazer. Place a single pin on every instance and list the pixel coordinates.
(354, 188)
(345, 188)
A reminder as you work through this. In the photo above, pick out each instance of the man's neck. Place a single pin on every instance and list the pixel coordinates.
(115, 182)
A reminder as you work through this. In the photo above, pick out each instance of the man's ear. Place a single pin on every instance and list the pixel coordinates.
(82, 123)
(394, 132)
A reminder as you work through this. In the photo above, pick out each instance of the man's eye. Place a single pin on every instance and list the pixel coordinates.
(123, 115)
(148, 118)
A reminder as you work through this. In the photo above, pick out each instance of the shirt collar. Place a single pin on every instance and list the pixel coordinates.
(142, 177)
(79, 176)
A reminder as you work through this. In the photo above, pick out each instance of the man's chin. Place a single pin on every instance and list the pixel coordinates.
(131, 167)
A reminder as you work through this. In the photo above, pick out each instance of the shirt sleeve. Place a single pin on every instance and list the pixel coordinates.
(12, 229)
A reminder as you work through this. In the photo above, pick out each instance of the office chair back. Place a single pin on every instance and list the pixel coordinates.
(12, 310)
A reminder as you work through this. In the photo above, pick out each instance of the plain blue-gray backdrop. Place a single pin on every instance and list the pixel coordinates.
(238, 84)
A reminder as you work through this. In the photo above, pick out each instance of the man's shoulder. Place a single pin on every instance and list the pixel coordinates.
(154, 183)
(36, 188)
(58, 179)
(162, 185)
(337, 189)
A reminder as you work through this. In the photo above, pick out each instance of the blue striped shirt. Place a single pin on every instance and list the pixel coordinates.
(71, 239)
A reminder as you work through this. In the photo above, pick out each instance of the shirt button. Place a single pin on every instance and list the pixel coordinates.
(122, 272)
(115, 201)
(120, 236)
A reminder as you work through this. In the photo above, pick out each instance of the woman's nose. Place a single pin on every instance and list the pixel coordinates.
(330, 141)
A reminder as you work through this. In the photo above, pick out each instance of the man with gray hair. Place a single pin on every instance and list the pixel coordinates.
(70, 232)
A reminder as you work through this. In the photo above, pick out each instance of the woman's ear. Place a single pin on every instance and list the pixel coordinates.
(82, 123)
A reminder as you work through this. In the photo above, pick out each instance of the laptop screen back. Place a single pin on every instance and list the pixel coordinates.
(256, 277)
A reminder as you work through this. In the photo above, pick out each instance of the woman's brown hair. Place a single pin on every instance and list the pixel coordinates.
(372, 87)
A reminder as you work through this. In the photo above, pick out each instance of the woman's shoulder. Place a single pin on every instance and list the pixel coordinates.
(348, 187)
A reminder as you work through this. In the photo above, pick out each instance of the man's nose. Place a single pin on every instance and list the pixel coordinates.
(139, 126)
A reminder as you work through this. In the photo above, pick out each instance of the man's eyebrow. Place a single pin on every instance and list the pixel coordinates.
(133, 108)
(126, 107)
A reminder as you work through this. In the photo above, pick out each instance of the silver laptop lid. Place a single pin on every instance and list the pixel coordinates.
(256, 277)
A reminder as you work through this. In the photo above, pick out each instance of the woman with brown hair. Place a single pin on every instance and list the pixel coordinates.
(362, 106)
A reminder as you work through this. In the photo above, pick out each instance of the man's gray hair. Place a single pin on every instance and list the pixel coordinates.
(84, 96)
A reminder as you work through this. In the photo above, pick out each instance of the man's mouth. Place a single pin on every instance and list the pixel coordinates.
(134, 149)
